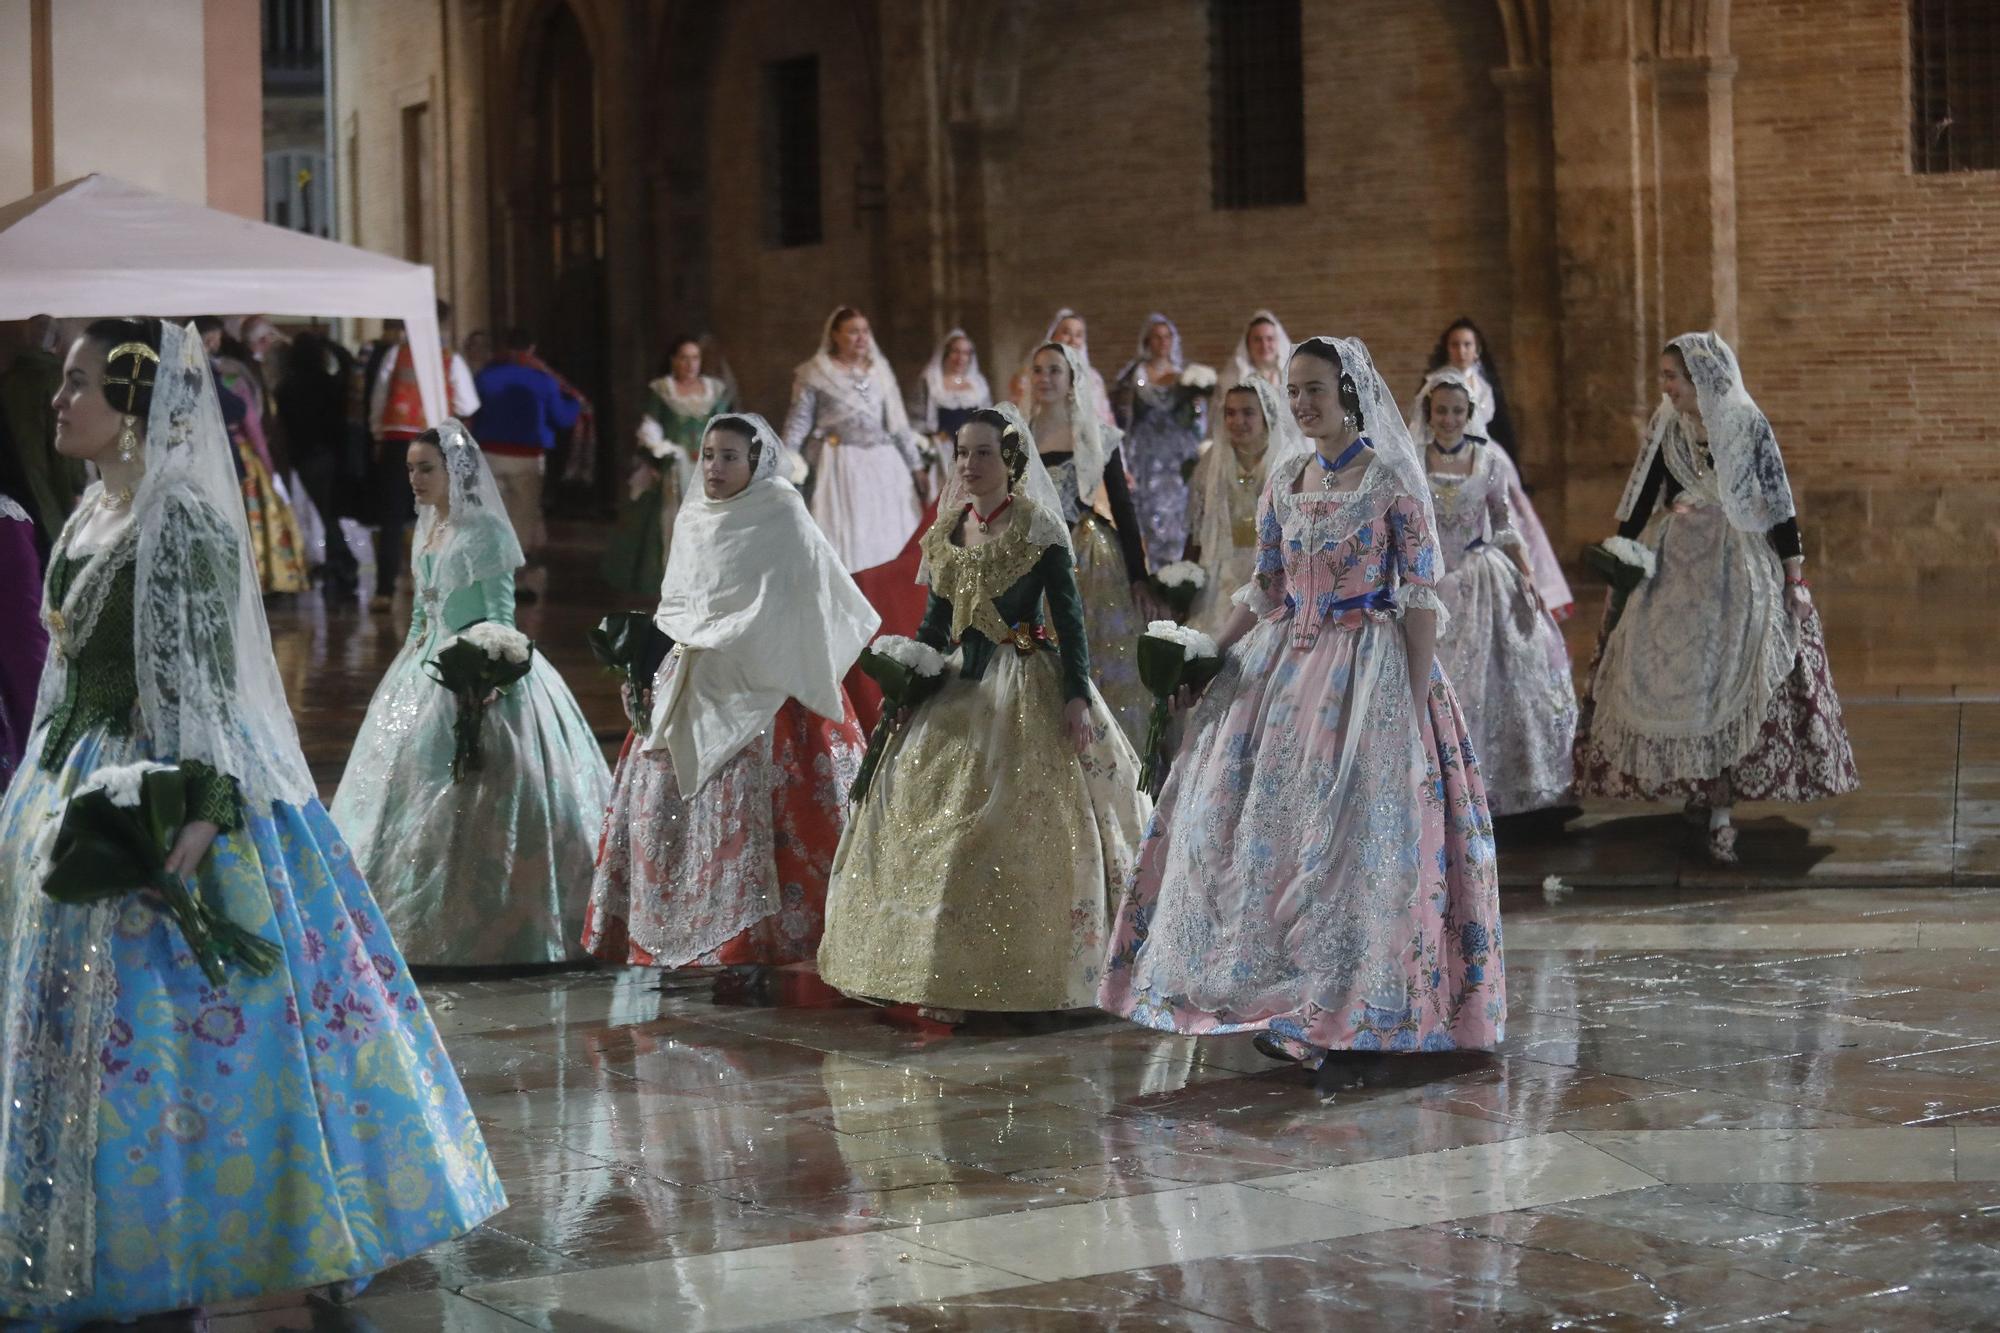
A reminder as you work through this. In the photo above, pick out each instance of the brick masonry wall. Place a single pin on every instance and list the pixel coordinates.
(1870, 294)
(770, 303)
(1104, 201)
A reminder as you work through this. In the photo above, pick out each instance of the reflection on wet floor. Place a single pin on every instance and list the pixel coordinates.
(1776, 1106)
(1721, 1102)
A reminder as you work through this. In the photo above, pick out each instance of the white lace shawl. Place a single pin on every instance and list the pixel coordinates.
(479, 542)
(1749, 470)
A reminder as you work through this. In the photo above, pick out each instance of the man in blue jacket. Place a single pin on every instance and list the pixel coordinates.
(522, 410)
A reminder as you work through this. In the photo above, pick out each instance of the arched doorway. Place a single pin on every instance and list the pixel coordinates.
(556, 232)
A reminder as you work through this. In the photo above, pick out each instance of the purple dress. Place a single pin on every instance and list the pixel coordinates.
(1320, 865)
(21, 629)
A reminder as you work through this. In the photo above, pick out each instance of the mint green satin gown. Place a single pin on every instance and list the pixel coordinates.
(495, 869)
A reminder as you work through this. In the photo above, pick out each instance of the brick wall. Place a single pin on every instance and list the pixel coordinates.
(1104, 201)
(1870, 295)
(770, 302)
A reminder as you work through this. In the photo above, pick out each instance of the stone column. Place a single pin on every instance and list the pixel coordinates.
(1603, 384)
(1696, 148)
(1531, 221)
(915, 302)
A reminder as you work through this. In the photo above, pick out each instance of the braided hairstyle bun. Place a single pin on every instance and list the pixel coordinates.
(129, 374)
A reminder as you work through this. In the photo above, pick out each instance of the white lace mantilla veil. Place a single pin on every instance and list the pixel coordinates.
(1282, 441)
(980, 392)
(1749, 470)
(480, 543)
(762, 609)
(1144, 355)
(1091, 441)
(208, 690)
(1420, 410)
(1396, 470)
(1035, 492)
(834, 378)
(1241, 367)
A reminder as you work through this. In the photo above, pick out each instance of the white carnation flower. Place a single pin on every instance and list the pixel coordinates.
(1194, 644)
(1554, 890)
(1628, 552)
(498, 642)
(121, 782)
(1195, 375)
(918, 657)
(1182, 572)
(656, 444)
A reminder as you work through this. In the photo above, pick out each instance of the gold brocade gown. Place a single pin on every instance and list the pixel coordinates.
(978, 871)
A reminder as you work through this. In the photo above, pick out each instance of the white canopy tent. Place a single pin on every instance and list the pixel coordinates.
(98, 247)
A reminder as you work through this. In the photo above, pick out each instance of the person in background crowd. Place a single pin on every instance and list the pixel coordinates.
(276, 542)
(27, 384)
(395, 417)
(21, 555)
(312, 410)
(477, 349)
(522, 407)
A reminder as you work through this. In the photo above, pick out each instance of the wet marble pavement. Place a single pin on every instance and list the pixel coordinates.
(1712, 1110)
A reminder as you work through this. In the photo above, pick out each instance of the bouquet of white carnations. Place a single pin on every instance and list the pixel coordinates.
(1178, 584)
(653, 442)
(1170, 657)
(113, 838)
(629, 643)
(475, 664)
(908, 673)
(1196, 383)
(1625, 564)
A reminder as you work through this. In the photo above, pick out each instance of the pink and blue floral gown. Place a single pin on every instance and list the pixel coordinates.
(1320, 866)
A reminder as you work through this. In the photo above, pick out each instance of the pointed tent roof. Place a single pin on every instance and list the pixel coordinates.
(97, 246)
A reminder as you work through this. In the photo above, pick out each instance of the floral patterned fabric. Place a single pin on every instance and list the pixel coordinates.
(278, 1133)
(1321, 863)
(1164, 427)
(737, 873)
(1504, 655)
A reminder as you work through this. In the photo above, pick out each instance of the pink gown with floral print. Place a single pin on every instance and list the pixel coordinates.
(1321, 866)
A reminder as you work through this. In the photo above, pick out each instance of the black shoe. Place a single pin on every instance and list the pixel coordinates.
(1268, 1046)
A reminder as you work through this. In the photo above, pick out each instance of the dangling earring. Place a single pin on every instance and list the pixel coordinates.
(1350, 419)
(128, 441)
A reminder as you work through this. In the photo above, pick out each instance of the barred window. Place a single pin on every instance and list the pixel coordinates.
(791, 152)
(1954, 85)
(1257, 101)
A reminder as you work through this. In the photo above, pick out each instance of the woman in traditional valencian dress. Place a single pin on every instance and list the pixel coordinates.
(1164, 423)
(1223, 494)
(1260, 354)
(1713, 686)
(1069, 329)
(489, 869)
(976, 873)
(165, 1142)
(868, 480)
(276, 540)
(1320, 870)
(1504, 653)
(949, 391)
(20, 616)
(1084, 461)
(679, 406)
(727, 804)
(1462, 347)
